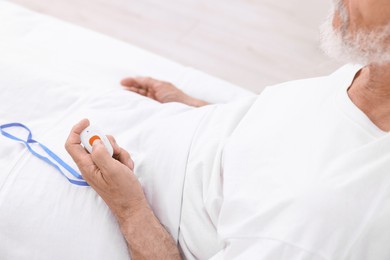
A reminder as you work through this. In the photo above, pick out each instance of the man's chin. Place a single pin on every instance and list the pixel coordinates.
(362, 47)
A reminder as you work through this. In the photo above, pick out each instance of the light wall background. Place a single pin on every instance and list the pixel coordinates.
(252, 43)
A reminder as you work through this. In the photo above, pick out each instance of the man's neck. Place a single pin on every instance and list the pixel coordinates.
(370, 91)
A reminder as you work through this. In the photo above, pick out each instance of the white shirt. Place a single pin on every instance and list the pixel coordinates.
(303, 175)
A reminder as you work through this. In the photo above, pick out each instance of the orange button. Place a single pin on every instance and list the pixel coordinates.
(93, 139)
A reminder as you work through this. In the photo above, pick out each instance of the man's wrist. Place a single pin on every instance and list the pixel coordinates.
(146, 237)
(136, 209)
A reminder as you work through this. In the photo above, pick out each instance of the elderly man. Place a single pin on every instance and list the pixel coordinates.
(314, 181)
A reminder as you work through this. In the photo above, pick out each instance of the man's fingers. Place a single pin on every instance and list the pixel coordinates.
(120, 154)
(101, 157)
(74, 136)
(138, 90)
(140, 82)
(114, 144)
(141, 91)
(124, 157)
(72, 144)
(129, 82)
(134, 89)
(145, 86)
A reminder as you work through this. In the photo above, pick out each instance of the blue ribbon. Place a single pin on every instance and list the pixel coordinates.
(80, 182)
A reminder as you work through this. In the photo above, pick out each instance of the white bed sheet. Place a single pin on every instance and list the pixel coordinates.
(40, 211)
(52, 74)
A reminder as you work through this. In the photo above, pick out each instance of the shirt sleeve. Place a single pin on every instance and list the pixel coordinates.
(264, 249)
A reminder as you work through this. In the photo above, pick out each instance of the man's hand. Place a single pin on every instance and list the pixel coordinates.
(113, 179)
(160, 91)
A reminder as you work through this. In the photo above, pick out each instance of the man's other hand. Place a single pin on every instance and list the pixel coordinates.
(160, 91)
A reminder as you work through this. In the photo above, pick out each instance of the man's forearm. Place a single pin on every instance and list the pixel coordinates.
(147, 238)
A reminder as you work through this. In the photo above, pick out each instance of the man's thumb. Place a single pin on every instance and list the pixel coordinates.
(100, 155)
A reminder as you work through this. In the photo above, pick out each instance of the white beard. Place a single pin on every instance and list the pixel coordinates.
(361, 47)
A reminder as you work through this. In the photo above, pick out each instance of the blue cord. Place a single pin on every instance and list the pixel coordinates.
(80, 182)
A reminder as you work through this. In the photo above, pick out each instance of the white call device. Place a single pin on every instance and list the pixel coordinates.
(91, 134)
